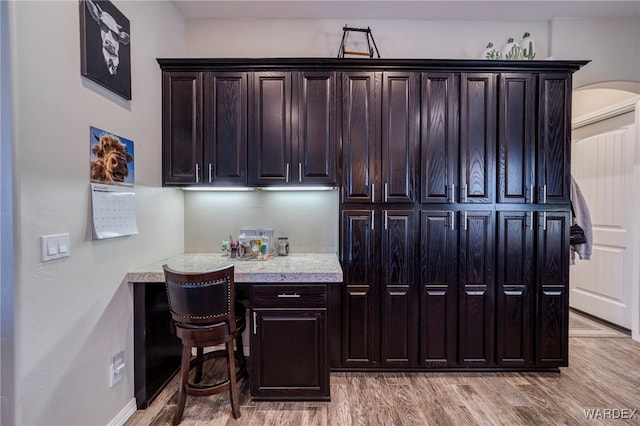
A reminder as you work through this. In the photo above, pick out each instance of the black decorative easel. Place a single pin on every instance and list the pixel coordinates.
(371, 43)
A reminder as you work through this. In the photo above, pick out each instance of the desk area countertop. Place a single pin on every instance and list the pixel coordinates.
(295, 268)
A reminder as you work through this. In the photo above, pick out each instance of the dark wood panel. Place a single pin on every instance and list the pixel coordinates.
(477, 137)
(515, 288)
(439, 133)
(270, 124)
(289, 354)
(182, 128)
(225, 127)
(476, 289)
(398, 319)
(438, 301)
(516, 138)
(554, 146)
(359, 265)
(317, 131)
(400, 121)
(360, 136)
(552, 290)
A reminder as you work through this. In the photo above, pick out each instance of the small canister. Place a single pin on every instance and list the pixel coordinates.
(283, 246)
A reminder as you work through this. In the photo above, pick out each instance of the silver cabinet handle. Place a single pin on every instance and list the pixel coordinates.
(544, 193)
(386, 193)
(452, 197)
(463, 190)
(373, 219)
(373, 192)
(531, 222)
(386, 216)
(465, 221)
(255, 323)
(210, 172)
(453, 219)
(532, 198)
(197, 173)
(544, 221)
(286, 174)
(300, 172)
(288, 296)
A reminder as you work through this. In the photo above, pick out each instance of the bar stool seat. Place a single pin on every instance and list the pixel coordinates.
(205, 314)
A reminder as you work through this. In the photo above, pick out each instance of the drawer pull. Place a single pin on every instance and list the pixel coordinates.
(285, 295)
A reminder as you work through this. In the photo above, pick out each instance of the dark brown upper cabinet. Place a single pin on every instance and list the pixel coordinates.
(182, 146)
(516, 138)
(225, 128)
(554, 139)
(478, 107)
(293, 128)
(379, 136)
(439, 137)
(204, 128)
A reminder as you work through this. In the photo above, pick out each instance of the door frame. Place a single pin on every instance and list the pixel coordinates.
(624, 107)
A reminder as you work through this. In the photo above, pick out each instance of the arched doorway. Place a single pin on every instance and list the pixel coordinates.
(606, 166)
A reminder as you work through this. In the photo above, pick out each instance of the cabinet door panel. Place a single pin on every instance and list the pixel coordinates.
(515, 288)
(398, 319)
(289, 354)
(270, 150)
(317, 121)
(399, 147)
(516, 138)
(477, 137)
(438, 302)
(476, 286)
(182, 128)
(554, 144)
(552, 328)
(360, 294)
(439, 124)
(226, 128)
(360, 136)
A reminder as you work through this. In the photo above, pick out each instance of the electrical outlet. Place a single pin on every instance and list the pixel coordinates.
(117, 368)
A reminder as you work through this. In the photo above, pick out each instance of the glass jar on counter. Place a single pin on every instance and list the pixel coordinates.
(283, 246)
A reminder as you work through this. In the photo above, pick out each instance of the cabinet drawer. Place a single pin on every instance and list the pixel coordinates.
(294, 296)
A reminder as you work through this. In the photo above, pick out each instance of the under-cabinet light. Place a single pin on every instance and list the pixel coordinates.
(218, 188)
(297, 188)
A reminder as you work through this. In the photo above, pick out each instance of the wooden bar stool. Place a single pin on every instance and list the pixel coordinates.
(205, 314)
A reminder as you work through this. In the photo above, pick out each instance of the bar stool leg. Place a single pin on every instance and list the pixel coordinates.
(233, 384)
(184, 377)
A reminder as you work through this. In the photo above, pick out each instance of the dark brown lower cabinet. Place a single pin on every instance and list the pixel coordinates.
(289, 342)
(490, 289)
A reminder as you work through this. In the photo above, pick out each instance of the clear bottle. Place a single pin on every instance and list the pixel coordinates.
(283, 246)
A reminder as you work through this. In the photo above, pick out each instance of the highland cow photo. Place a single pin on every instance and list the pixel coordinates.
(111, 158)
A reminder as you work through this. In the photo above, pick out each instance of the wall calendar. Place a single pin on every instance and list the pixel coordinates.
(113, 211)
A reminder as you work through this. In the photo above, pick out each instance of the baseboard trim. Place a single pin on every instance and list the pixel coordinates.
(124, 415)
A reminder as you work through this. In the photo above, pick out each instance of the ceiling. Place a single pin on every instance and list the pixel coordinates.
(460, 10)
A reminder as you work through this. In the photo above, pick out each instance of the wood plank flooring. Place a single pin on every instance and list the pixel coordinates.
(603, 374)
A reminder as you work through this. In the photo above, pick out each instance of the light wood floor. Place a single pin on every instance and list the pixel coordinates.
(604, 374)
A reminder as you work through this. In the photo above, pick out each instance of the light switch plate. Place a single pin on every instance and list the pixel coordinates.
(54, 247)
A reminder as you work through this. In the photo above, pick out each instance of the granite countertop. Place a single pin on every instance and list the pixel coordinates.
(298, 267)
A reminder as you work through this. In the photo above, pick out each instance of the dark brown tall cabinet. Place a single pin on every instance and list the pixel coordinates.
(454, 183)
(204, 128)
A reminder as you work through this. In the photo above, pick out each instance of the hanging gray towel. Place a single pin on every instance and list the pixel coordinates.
(582, 218)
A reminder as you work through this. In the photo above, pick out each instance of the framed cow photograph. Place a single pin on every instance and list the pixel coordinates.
(111, 158)
(105, 46)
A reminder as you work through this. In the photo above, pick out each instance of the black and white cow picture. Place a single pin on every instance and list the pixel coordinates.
(111, 34)
(105, 45)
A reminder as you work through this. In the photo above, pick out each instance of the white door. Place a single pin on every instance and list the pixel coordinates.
(602, 163)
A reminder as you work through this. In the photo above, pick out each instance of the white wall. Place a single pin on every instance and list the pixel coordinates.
(75, 314)
(610, 44)
(309, 219)
(321, 38)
